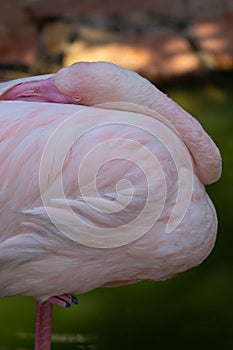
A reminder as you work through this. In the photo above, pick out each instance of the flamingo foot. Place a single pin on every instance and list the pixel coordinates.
(64, 300)
(44, 319)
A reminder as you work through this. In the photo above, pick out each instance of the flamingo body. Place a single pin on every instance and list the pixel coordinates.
(34, 253)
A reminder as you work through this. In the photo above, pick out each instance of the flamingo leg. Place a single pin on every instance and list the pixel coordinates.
(43, 326)
(44, 313)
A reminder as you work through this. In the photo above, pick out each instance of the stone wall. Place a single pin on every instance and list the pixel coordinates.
(161, 39)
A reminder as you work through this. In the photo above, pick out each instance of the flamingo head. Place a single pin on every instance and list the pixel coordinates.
(92, 83)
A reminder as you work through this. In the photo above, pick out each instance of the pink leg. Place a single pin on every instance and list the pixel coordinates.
(44, 319)
(43, 326)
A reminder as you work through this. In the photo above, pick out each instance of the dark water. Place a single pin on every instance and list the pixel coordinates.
(192, 311)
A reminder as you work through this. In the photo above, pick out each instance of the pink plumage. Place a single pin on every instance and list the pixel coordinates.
(50, 137)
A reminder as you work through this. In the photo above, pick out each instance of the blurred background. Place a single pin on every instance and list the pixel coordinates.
(186, 48)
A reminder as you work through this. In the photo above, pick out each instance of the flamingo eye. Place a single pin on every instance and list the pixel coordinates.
(77, 99)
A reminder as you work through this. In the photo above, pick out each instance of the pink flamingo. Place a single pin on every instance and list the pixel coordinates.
(43, 252)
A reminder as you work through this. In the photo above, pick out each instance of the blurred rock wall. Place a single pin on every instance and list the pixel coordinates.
(162, 39)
